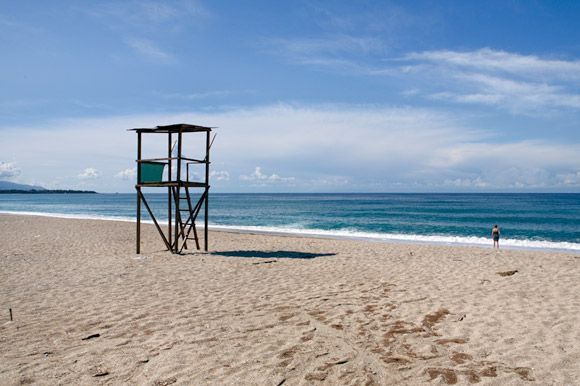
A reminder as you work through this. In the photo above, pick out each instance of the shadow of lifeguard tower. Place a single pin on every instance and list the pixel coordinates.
(182, 210)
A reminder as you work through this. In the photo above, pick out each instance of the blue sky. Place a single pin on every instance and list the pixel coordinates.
(401, 96)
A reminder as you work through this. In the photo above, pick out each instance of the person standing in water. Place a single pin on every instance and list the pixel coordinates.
(495, 236)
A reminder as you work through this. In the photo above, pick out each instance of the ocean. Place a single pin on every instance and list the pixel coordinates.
(542, 221)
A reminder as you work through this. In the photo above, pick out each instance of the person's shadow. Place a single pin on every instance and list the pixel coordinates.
(272, 254)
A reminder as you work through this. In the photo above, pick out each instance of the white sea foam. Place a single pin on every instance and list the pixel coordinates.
(69, 215)
(399, 237)
(344, 233)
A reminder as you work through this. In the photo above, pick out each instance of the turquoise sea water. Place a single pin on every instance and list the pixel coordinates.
(547, 221)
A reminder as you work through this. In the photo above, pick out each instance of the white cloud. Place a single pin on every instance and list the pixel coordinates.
(487, 59)
(220, 175)
(89, 174)
(343, 53)
(477, 182)
(374, 148)
(142, 25)
(149, 50)
(330, 181)
(127, 174)
(163, 12)
(207, 94)
(348, 40)
(518, 96)
(304, 49)
(157, 12)
(518, 83)
(571, 179)
(521, 84)
(257, 175)
(145, 14)
(521, 154)
(8, 170)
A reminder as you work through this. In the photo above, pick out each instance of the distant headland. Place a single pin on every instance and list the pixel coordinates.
(47, 191)
(7, 187)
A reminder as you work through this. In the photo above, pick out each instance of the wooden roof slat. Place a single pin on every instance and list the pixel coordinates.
(175, 128)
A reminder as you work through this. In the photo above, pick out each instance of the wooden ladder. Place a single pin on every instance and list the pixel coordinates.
(185, 228)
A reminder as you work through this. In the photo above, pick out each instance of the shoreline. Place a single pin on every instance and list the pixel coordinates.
(508, 244)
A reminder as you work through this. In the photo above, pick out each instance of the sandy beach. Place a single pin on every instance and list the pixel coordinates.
(273, 310)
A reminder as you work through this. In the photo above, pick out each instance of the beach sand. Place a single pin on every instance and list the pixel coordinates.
(273, 310)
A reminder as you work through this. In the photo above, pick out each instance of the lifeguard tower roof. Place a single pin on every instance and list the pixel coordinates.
(175, 128)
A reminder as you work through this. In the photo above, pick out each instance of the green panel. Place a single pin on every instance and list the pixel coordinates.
(152, 171)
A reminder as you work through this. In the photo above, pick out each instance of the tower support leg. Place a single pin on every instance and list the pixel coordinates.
(138, 236)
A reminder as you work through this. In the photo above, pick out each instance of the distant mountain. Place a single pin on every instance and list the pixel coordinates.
(6, 185)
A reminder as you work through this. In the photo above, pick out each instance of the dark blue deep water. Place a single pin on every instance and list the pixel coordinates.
(549, 221)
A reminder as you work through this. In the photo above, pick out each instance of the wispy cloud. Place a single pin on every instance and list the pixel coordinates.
(469, 183)
(329, 181)
(517, 96)
(518, 83)
(350, 39)
(206, 94)
(146, 13)
(487, 59)
(156, 12)
(304, 49)
(144, 25)
(337, 52)
(148, 49)
(342, 39)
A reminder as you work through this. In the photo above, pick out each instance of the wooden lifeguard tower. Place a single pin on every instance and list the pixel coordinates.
(182, 212)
